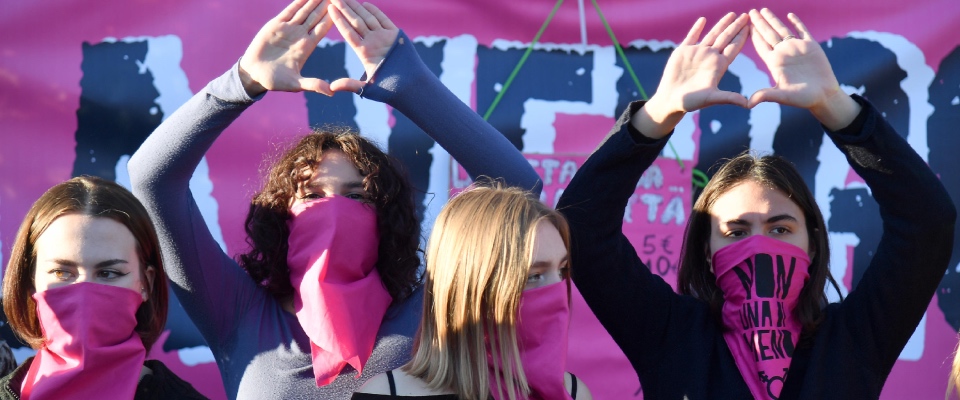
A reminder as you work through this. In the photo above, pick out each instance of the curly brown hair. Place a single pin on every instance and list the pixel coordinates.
(384, 181)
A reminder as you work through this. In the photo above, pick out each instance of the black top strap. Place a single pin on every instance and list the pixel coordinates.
(573, 386)
(393, 385)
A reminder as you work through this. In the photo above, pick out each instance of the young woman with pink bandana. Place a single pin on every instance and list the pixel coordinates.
(85, 286)
(496, 308)
(752, 318)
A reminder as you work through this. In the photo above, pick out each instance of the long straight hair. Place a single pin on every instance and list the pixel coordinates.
(478, 257)
(953, 384)
(694, 277)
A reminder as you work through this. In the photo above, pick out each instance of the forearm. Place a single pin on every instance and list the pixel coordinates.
(918, 223)
(404, 82)
(160, 174)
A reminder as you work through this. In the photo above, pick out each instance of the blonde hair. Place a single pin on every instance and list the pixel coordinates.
(953, 384)
(478, 257)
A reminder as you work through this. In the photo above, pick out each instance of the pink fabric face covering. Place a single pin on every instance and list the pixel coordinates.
(91, 349)
(542, 340)
(340, 300)
(761, 279)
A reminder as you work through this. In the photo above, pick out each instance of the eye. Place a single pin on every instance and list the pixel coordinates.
(356, 196)
(535, 278)
(780, 230)
(109, 274)
(62, 275)
(735, 233)
(311, 196)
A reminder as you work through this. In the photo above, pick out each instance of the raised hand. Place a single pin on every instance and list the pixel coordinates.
(369, 33)
(692, 74)
(800, 69)
(277, 54)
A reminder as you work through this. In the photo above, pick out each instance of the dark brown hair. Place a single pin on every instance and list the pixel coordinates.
(384, 182)
(94, 197)
(694, 277)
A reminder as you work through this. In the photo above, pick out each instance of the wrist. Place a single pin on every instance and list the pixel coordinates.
(837, 111)
(655, 119)
(252, 87)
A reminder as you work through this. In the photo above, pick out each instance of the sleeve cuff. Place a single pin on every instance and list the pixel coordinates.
(228, 87)
(401, 67)
(862, 126)
(638, 137)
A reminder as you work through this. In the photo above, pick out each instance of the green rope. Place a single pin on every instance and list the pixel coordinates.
(700, 178)
(616, 45)
(523, 59)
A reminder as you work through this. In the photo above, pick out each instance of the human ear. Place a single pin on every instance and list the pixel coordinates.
(812, 253)
(149, 274)
(707, 256)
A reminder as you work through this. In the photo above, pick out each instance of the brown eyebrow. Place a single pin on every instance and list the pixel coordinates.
(775, 218)
(348, 185)
(781, 217)
(544, 264)
(102, 264)
(736, 222)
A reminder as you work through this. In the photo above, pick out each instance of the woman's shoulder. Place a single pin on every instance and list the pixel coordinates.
(162, 383)
(399, 384)
(10, 384)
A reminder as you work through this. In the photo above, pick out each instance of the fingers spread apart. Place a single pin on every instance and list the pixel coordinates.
(303, 14)
(728, 31)
(714, 32)
(359, 16)
(772, 31)
(287, 14)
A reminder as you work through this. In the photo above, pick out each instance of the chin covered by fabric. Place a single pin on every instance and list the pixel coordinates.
(340, 300)
(90, 346)
(761, 279)
(544, 319)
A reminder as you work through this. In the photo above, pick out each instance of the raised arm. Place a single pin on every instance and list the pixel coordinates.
(639, 310)
(918, 215)
(211, 286)
(396, 76)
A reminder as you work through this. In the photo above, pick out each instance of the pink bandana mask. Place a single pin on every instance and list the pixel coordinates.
(90, 346)
(542, 340)
(340, 300)
(761, 279)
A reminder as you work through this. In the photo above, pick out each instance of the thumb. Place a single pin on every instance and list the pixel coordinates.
(764, 95)
(347, 85)
(315, 85)
(727, 97)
